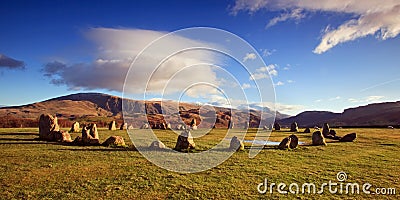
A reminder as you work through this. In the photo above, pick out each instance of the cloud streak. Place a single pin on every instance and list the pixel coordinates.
(370, 17)
(10, 63)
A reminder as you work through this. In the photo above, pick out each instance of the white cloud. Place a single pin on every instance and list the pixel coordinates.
(246, 86)
(371, 17)
(116, 50)
(267, 52)
(257, 76)
(295, 14)
(318, 100)
(279, 83)
(249, 56)
(290, 81)
(368, 99)
(335, 98)
(374, 98)
(263, 72)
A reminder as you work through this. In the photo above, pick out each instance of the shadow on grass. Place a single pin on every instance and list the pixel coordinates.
(15, 134)
(17, 139)
(105, 149)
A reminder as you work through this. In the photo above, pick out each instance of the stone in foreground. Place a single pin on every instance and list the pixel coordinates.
(185, 141)
(294, 141)
(157, 145)
(318, 138)
(47, 125)
(114, 141)
(285, 143)
(349, 137)
(236, 144)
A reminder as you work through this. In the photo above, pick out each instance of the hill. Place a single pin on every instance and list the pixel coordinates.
(101, 108)
(377, 114)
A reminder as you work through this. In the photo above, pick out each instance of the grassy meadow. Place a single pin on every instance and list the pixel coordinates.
(32, 169)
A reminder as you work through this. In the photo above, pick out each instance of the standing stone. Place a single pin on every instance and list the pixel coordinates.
(294, 127)
(111, 126)
(277, 126)
(332, 132)
(294, 141)
(270, 127)
(349, 137)
(193, 122)
(307, 130)
(90, 134)
(124, 126)
(236, 144)
(114, 141)
(145, 126)
(162, 126)
(169, 126)
(318, 138)
(325, 130)
(285, 143)
(75, 128)
(185, 141)
(157, 145)
(246, 125)
(47, 124)
(231, 124)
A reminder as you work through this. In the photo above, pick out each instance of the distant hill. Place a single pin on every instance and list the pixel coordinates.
(377, 114)
(96, 106)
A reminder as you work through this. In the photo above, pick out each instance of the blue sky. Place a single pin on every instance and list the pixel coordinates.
(49, 47)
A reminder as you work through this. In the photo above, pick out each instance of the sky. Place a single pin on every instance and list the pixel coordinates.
(295, 55)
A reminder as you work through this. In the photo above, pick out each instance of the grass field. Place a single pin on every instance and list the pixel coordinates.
(31, 169)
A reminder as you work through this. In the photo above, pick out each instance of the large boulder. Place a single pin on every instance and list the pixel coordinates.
(294, 127)
(112, 126)
(47, 124)
(307, 130)
(277, 126)
(318, 138)
(285, 143)
(325, 129)
(236, 144)
(114, 141)
(62, 136)
(294, 141)
(157, 145)
(130, 127)
(185, 141)
(75, 128)
(349, 137)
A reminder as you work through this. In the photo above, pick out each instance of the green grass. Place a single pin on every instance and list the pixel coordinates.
(31, 169)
